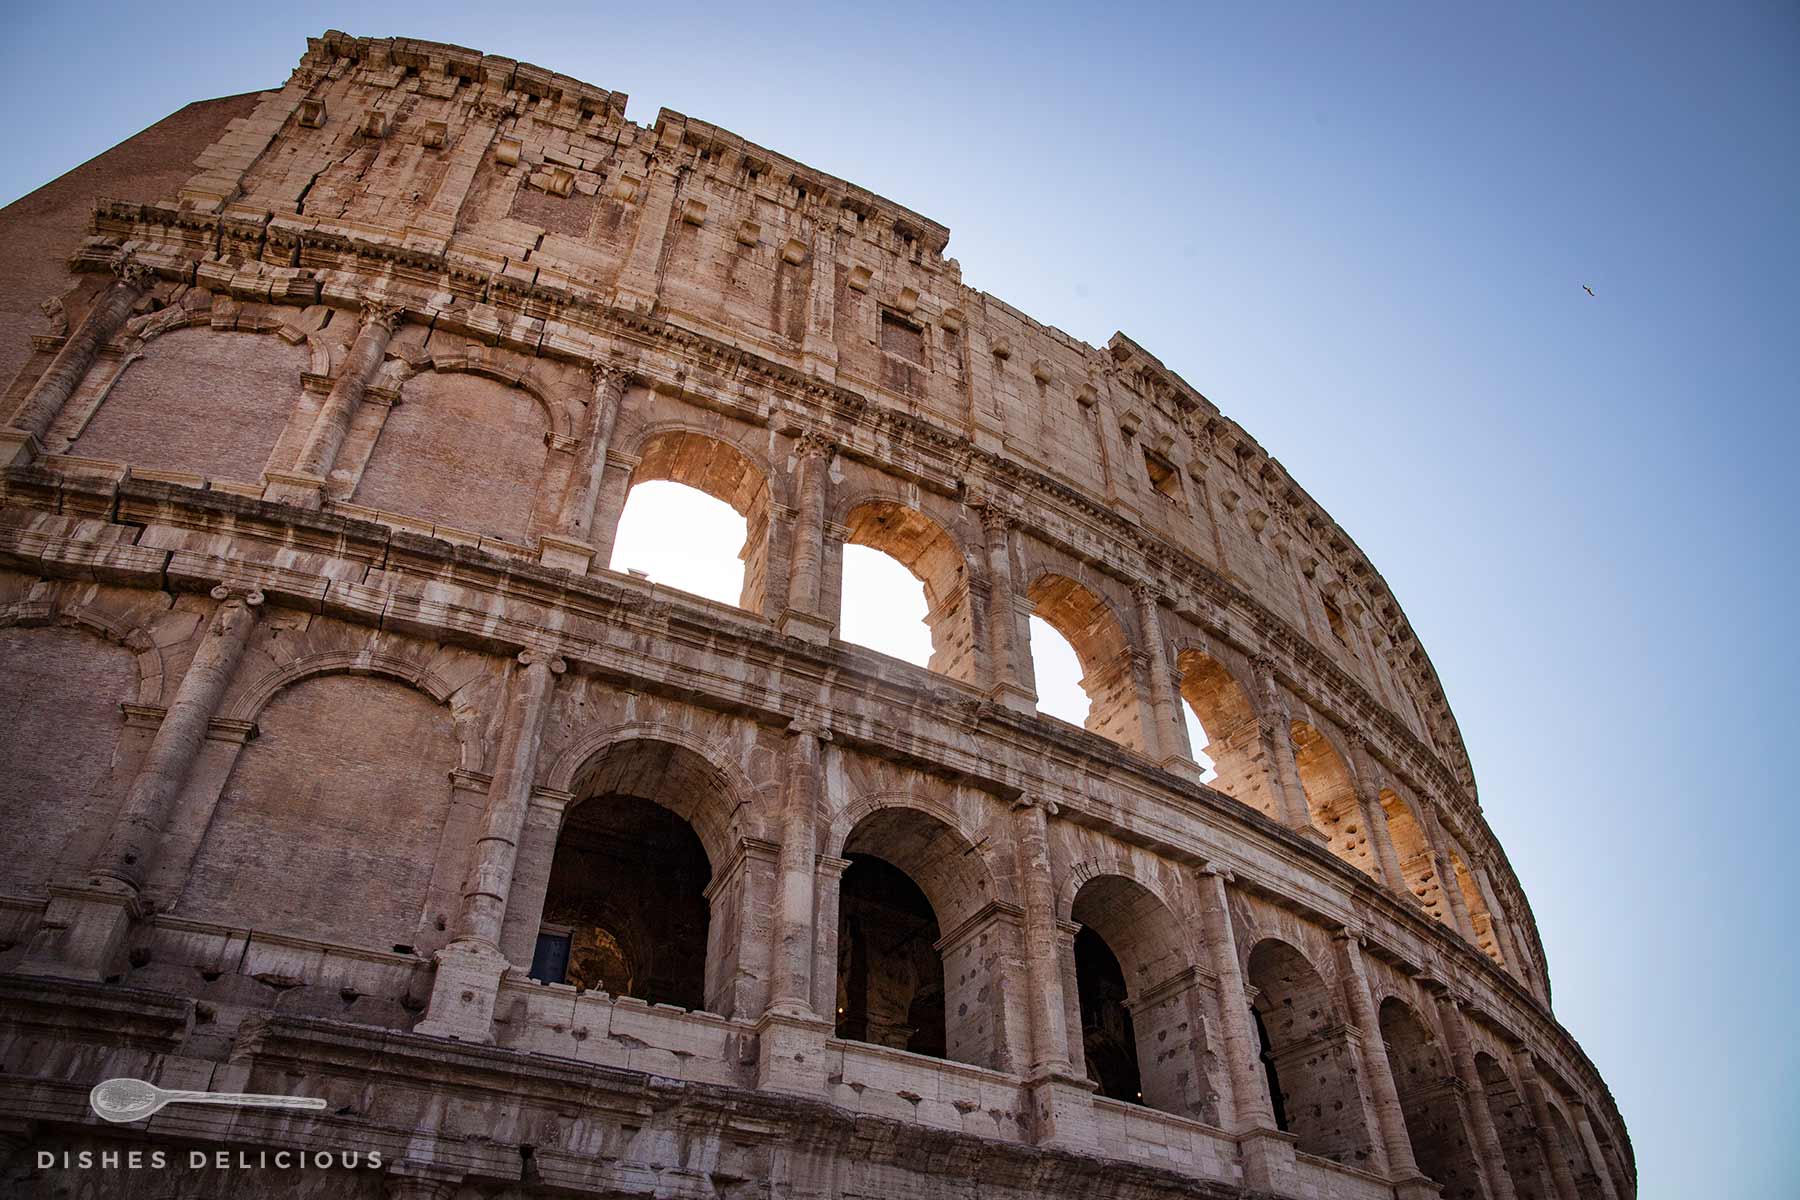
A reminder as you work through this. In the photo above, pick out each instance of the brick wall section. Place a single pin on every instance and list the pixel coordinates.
(200, 401)
(460, 450)
(60, 694)
(38, 232)
(330, 823)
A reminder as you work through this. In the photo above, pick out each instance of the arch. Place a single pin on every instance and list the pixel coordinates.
(1149, 1037)
(556, 416)
(1418, 865)
(1234, 736)
(974, 935)
(936, 560)
(200, 400)
(61, 687)
(1305, 1045)
(660, 815)
(1331, 797)
(1429, 1101)
(1115, 709)
(455, 450)
(678, 453)
(247, 701)
(1566, 1142)
(322, 774)
(1518, 1138)
(564, 771)
(146, 656)
(1487, 938)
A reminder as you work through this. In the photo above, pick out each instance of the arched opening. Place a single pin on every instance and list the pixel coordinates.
(1331, 797)
(1429, 1094)
(1312, 1080)
(1143, 1026)
(696, 517)
(1108, 1041)
(922, 616)
(61, 690)
(1486, 940)
(1417, 864)
(1104, 651)
(883, 965)
(1518, 1138)
(1058, 674)
(1565, 1141)
(626, 912)
(890, 978)
(631, 907)
(1227, 733)
(460, 450)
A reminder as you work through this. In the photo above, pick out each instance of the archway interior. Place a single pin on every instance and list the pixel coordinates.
(890, 976)
(1486, 940)
(1312, 1083)
(1103, 650)
(1331, 797)
(1429, 1101)
(1108, 1041)
(1223, 730)
(1417, 864)
(905, 590)
(1512, 1121)
(944, 868)
(680, 538)
(1058, 673)
(628, 906)
(626, 911)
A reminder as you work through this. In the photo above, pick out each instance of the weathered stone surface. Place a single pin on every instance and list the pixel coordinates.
(333, 727)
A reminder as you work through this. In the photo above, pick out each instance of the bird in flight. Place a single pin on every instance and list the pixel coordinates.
(1587, 289)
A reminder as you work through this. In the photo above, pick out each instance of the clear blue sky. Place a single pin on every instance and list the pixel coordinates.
(1364, 236)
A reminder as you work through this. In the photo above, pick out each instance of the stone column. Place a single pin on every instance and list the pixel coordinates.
(1553, 1152)
(111, 309)
(1390, 1118)
(305, 484)
(1275, 727)
(1481, 1117)
(571, 547)
(467, 983)
(802, 618)
(1596, 1158)
(1170, 746)
(1268, 1153)
(818, 344)
(85, 927)
(1368, 798)
(1453, 893)
(798, 866)
(1049, 1052)
(1003, 624)
(1516, 961)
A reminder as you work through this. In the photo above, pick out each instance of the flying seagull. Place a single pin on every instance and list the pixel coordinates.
(1587, 289)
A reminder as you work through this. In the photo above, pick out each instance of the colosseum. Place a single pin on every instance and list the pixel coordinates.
(341, 764)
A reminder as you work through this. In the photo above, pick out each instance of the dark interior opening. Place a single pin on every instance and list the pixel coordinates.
(1107, 1038)
(890, 974)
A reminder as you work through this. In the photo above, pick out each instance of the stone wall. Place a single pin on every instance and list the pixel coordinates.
(334, 720)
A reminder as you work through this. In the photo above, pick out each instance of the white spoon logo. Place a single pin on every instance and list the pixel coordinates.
(124, 1100)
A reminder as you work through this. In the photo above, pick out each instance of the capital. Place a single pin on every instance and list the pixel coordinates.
(997, 517)
(809, 727)
(1027, 801)
(532, 658)
(605, 374)
(230, 593)
(382, 314)
(812, 444)
(132, 273)
(1146, 592)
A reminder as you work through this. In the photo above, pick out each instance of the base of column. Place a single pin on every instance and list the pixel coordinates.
(1062, 1112)
(808, 627)
(18, 448)
(1269, 1161)
(1313, 833)
(633, 300)
(819, 357)
(83, 932)
(565, 554)
(463, 993)
(1012, 696)
(1417, 1188)
(1182, 765)
(790, 1052)
(294, 487)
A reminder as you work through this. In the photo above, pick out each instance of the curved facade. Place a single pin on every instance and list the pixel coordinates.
(346, 767)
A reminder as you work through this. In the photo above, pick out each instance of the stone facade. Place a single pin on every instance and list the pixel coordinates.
(327, 716)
